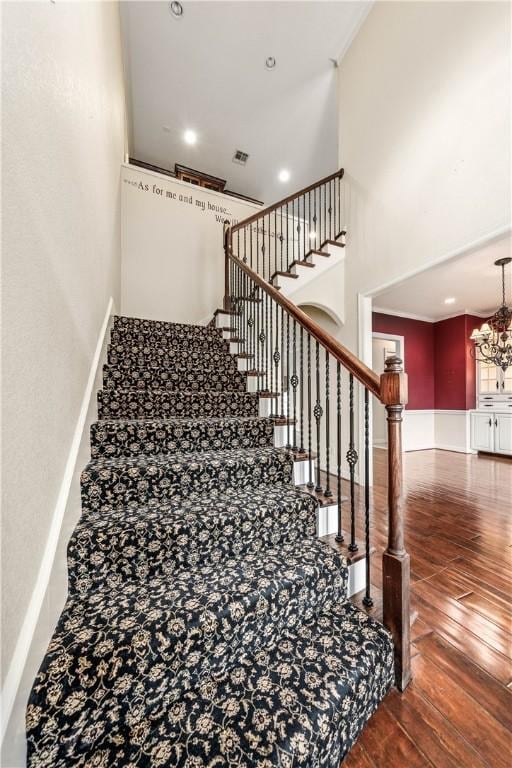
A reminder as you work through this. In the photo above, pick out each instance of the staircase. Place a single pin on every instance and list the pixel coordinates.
(206, 623)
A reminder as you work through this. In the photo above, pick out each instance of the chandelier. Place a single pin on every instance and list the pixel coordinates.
(493, 340)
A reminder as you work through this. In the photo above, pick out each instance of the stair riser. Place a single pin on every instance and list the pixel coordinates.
(193, 361)
(158, 326)
(185, 380)
(106, 551)
(201, 334)
(111, 439)
(169, 346)
(131, 485)
(150, 404)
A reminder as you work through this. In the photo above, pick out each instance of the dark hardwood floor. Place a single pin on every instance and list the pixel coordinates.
(457, 711)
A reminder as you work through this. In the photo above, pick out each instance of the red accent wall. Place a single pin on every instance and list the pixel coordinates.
(419, 356)
(455, 371)
(438, 360)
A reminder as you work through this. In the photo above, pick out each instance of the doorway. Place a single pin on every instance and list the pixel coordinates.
(383, 346)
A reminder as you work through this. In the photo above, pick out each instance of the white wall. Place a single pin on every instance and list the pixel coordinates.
(424, 94)
(63, 141)
(172, 249)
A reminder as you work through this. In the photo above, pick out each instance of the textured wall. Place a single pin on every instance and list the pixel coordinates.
(63, 138)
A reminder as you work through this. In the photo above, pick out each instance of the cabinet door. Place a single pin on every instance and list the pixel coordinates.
(482, 431)
(503, 433)
(506, 381)
(489, 379)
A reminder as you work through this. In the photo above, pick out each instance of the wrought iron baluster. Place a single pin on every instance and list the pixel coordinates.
(294, 383)
(293, 234)
(330, 212)
(287, 237)
(327, 491)
(288, 443)
(301, 447)
(310, 459)
(265, 340)
(271, 345)
(367, 600)
(275, 241)
(315, 219)
(339, 206)
(257, 247)
(310, 231)
(269, 249)
(352, 459)
(304, 226)
(277, 357)
(325, 212)
(318, 412)
(281, 235)
(282, 364)
(339, 535)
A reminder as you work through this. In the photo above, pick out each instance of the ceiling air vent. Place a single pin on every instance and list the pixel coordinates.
(240, 157)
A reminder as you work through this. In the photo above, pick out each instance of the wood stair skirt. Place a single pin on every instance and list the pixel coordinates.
(206, 622)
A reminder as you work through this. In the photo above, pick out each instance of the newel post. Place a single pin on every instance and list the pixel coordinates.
(395, 564)
(227, 239)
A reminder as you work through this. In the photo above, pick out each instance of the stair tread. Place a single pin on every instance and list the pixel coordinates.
(324, 678)
(128, 437)
(110, 547)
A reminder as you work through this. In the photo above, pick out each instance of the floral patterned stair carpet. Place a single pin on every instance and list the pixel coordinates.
(205, 624)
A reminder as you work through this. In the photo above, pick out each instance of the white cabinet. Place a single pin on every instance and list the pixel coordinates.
(503, 433)
(491, 432)
(482, 431)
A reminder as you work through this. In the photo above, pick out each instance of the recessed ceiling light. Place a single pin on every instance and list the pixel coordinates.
(190, 137)
(312, 235)
(176, 9)
(284, 175)
(450, 300)
(270, 62)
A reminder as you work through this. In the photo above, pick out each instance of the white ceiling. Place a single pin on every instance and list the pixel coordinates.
(206, 71)
(472, 280)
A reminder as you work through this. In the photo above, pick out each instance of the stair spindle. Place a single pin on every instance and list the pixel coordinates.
(271, 346)
(318, 412)
(352, 459)
(310, 483)
(295, 383)
(281, 358)
(277, 358)
(367, 600)
(327, 491)
(288, 442)
(339, 536)
(301, 447)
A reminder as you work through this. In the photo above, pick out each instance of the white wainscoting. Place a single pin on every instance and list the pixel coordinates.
(443, 429)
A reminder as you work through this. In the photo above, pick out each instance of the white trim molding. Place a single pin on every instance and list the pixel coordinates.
(30, 636)
(446, 430)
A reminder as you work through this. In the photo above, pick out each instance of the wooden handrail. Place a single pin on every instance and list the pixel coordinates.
(280, 203)
(391, 389)
(361, 372)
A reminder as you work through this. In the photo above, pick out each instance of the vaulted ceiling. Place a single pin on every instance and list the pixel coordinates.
(206, 72)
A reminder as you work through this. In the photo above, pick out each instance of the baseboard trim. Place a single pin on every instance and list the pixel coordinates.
(19, 659)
